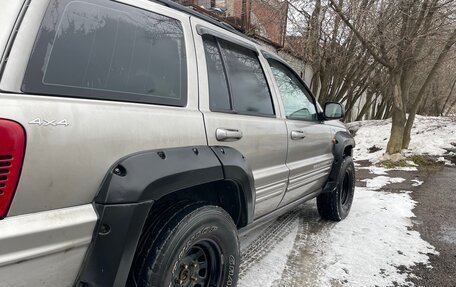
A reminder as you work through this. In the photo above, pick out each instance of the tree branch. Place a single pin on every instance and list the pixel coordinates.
(363, 41)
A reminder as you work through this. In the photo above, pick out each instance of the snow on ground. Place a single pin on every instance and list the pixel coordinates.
(373, 246)
(367, 248)
(417, 182)
(430, 135)
(379, 181)
(383, 170)
(269, 269)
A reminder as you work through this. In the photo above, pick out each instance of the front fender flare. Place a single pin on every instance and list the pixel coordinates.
(343, 140)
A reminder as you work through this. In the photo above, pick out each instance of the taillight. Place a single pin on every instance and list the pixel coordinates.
(12, 148)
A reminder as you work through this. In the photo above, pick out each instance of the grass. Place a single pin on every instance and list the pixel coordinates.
(426, 164)
(392, 164)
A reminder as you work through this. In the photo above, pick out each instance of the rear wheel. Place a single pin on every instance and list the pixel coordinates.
(196, 246)
(336, 205)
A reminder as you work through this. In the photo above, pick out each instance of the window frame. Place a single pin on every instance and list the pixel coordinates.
(269, 57)
(203, 31)
(117, 96)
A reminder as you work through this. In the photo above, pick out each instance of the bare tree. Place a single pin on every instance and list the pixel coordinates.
(342, 68)
(401, 31)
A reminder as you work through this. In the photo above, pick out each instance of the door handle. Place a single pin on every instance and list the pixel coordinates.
(297, 135)
(228, 135)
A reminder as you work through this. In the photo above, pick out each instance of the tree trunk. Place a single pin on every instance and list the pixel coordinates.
(366, 107)
(398, 118)
(408, 127)
(448, 97)
(450, 108)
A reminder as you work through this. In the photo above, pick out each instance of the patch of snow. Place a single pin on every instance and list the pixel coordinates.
(378, 170)
(246, 239)
(270, 268)
(405, 168)
(378, 182)
(411, 163)
(417, 182)
(445, 161)
(367, 248)
(370, 133)
(430, 135)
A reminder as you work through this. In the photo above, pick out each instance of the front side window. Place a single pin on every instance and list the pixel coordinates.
(236, 79)
(296, 99)
(107, 50)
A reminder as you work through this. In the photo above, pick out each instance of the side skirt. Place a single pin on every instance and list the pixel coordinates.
(273, 215)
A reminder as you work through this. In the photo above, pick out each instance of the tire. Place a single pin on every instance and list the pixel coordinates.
(336, 205)
(196, 246)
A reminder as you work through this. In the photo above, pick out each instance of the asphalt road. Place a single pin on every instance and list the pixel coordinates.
(436, 222)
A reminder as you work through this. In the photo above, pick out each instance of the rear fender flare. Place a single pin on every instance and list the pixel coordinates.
(132, 186)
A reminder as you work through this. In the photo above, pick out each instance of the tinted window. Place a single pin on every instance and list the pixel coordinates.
(249, 89)
(108, 50)
(219, 98)
(297, 102)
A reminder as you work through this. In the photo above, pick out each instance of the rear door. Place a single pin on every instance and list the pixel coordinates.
(239, 110)
(309, 155)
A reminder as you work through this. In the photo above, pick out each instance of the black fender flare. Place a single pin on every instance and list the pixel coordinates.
(342, 140)
(131, 187)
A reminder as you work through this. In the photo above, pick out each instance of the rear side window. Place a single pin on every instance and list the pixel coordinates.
(107, 50)
(236, 79)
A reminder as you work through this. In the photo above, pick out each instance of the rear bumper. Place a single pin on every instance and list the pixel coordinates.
(45, 248)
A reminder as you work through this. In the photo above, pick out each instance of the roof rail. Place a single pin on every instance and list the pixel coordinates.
(194, 13)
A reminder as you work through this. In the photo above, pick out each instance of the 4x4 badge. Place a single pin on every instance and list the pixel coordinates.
(45, 123)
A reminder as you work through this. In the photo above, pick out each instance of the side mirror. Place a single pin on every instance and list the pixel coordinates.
(333, 111)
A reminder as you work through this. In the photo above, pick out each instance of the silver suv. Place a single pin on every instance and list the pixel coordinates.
(138, 138)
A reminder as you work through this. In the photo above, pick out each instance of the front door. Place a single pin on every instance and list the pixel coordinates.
(309, 155)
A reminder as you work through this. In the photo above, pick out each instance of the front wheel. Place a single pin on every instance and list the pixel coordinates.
(336, 205)
(196, 246)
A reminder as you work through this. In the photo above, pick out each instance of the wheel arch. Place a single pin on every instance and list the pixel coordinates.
(137, 182)
(343, 146)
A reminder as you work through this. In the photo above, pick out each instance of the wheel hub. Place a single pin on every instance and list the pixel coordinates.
(199, 268)
(345, 189)
(188, 274)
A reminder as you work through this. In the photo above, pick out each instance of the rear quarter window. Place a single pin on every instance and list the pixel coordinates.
(107, 50)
